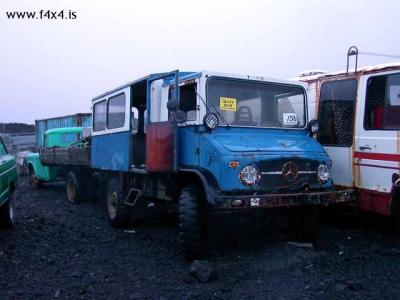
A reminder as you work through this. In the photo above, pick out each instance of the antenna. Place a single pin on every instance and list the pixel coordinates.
(353, 50)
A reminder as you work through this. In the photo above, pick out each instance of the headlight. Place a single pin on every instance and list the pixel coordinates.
(249, 175)
(211, 121)
(323, 173)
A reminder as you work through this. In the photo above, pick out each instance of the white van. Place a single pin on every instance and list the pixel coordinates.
(359, 114)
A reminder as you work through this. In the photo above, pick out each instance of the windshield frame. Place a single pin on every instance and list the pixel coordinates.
(261, 82)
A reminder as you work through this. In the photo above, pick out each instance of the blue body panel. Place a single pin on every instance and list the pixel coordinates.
(111, 151)
(212, 151)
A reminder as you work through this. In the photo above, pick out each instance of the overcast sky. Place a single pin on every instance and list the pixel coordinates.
(54, 67)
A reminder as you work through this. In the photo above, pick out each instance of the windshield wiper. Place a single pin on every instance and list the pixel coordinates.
(213, 106)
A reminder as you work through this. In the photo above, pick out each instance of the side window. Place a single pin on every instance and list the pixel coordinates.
(99, 116)
(382, 107)
(336, 112)
(3, 150)
(116, 111)
(188, 99)
(135, 120)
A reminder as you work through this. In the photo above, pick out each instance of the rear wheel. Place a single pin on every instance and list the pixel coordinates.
(119, 214)
(74, 188)
(192, 230)
(7, 213)
(303, 222)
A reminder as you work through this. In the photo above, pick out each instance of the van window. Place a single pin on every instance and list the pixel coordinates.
(382, 108)
(336, 112)
(116, 111)
(99, 116)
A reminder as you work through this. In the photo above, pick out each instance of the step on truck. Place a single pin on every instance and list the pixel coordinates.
(359, 109)
(209, 142)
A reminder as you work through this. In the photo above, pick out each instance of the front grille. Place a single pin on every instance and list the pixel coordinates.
(272, 177)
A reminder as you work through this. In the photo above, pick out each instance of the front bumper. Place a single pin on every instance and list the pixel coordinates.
(283, 200)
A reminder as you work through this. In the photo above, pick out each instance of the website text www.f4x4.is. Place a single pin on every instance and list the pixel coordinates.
(42, 15)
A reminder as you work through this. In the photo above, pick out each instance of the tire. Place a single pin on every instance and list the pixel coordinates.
(7, 213)
(33, 180)
(74, 187)
(395, 211)
(119, 214)
(192, 231)
(303, 223)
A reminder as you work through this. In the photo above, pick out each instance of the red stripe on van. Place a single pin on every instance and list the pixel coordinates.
(377, 156)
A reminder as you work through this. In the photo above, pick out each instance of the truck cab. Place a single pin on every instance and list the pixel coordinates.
(57, 138)
(209, 142)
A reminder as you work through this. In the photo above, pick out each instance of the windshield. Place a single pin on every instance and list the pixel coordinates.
(256, 104)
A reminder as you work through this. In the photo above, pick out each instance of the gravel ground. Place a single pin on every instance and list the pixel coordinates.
(58, 250)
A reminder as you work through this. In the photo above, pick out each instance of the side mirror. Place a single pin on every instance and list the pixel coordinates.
(180, 116)
(172, 105)
(313, 127)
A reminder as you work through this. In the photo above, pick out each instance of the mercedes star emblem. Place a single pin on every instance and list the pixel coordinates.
(290, 171)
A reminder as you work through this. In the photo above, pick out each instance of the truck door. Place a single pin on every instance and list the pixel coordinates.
(376, 156)
(336, 116)
(161, 133)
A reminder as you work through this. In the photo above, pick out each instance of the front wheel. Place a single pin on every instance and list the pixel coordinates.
(7, 213)
(192, 231)
(33, 179)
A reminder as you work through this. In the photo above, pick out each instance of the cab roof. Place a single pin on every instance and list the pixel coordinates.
(192, 75)
(360, 71)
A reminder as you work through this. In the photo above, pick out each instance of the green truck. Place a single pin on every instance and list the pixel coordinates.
(8, 183)
(56, 141)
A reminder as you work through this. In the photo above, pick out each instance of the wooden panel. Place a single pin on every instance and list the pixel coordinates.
(65, 156)
(159, 147)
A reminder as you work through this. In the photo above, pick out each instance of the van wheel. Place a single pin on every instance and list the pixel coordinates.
(192, 231)
(7, 213)
(33, 179)
(395, 211)
(303, 222)
(119, 214)
(74, 188)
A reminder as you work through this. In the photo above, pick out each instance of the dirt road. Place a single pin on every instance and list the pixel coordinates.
(58, 250)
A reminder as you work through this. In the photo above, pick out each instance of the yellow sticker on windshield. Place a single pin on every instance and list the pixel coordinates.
(226, 103)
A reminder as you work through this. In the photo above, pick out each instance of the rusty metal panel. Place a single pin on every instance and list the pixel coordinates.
(159, 147)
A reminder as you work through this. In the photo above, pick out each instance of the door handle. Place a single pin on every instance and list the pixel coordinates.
(365, 148)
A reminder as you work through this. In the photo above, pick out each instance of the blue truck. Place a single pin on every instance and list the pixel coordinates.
(206, 142)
